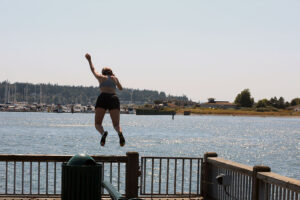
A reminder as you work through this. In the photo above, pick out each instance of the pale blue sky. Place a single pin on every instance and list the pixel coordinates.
(198, 48)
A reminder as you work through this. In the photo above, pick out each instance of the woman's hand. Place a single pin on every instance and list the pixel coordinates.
(88, 57)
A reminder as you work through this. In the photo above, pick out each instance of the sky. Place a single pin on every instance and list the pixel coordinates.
(198, 48)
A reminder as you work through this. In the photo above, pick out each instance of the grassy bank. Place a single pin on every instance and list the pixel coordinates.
(246, 112)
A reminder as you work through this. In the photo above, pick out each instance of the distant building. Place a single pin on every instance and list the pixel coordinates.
(295, 108)
(218, 104)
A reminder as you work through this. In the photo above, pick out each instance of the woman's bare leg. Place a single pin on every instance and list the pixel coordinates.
(99, 115)
(115, 117)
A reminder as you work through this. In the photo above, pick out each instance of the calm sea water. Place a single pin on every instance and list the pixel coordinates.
(271, 141)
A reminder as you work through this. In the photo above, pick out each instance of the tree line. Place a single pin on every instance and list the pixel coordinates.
(57, 94)
(244, 99)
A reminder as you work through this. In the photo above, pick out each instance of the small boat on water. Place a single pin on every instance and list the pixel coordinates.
(187, 112)
(130, 110)
(153, 112)
(77, 108)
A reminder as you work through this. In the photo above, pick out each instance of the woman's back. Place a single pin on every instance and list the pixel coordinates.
(108, 84)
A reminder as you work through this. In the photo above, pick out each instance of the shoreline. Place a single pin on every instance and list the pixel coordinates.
(240, 113)
(297, 115)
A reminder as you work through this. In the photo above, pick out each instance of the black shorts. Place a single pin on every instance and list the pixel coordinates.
(108, 101)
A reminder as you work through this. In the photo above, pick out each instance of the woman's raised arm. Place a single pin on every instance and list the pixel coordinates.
(96, 74)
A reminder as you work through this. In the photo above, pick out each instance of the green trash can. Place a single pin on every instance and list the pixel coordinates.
(81, 179)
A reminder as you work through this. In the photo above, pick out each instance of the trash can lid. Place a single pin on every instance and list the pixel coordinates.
(81, 160)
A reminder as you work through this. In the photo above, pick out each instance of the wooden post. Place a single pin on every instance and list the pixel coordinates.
(257, 191)
(132, 173)
(206, 174)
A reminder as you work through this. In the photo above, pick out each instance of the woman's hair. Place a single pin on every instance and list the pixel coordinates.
(107, 71)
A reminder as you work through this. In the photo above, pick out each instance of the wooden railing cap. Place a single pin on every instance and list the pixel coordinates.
(132, 153)
(210, 154)
(261, 168)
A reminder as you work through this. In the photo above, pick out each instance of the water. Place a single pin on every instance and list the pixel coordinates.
(271, 141)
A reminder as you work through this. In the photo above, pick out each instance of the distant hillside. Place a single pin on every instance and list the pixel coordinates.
(49, 93)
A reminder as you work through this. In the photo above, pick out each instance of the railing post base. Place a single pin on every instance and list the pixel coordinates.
(132, 174)
(205, 174)
(257, 192)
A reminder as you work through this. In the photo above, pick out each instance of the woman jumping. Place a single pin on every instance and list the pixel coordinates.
(107, 100)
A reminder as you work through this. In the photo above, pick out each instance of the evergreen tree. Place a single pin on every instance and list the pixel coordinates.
(295, 101)
(244, 99)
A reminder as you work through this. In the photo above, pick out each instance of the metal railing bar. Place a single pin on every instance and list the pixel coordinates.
(221, 190)
(30, 191)
(159, 184)
(47, 177)
(243, 186)
(15, 171)
(175, 173)
(269, 191)
(110, 174)
(190, 183)
(182, 177)
(265, 191)
(232, 183)
(141, 179)
(167, 184)
(235, 184)
(198, 175)
(239, 186)
(118, 176)
(225, 171)
(22, 177)
(39, 176)
(145, 167)
(276, 193)
(152, 175)
(246, 186)
(280, 193)
(6, 176)
(249, 184)
(273, 189)
(230, 173)
(103, 170)
(54, 185)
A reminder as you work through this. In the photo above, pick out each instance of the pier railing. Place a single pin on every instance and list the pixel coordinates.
(40, 175)
(210, 177)
(170, 176)
(273, 186)
(241, 182)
